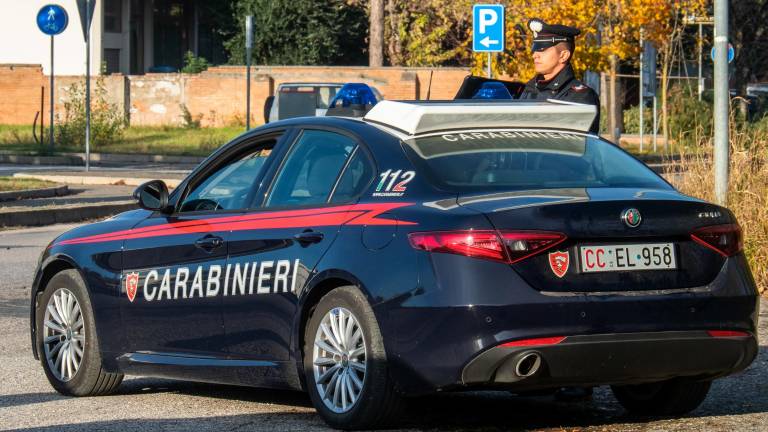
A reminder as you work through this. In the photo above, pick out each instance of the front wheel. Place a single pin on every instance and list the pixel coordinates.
(345, 364)
(67, 340)
(665, 398)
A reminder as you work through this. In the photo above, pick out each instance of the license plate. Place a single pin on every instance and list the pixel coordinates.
(628, 257)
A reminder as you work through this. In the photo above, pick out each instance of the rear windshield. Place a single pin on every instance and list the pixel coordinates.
(481, 160)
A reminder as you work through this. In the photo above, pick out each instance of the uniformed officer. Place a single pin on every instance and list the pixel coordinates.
(553, 47)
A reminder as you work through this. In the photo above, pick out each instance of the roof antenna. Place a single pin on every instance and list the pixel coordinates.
(429, 86)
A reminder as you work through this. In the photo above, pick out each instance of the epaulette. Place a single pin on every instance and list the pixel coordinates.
(579, 88)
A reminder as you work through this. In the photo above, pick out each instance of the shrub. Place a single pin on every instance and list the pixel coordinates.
(688, 116)
(747, 189)
(188, 121)
(107, 119)
(194, 64)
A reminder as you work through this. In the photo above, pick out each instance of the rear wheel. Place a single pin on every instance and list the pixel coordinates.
(665, 398)
(345, 363)
(67, 341)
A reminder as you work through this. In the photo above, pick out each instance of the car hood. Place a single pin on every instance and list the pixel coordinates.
(122, 221)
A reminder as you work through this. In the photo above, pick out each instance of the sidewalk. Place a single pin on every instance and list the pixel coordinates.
(98, 193)
(101, 176)
(83, 203)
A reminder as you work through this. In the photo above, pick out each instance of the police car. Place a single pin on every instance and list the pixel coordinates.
(424, 247)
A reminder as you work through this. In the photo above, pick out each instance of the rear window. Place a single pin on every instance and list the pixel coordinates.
(304, 101)
(481, 160)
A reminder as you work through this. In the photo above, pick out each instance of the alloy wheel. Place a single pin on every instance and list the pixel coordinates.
(63, 334)
(339, 360)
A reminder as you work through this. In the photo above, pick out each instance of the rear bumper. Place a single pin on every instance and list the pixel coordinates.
(466, 309)
(614, 359)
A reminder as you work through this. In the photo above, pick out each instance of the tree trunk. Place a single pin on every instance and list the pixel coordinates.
(376, 35)
(613, 103)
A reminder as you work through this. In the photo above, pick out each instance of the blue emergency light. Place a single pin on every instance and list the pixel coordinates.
(492, 90)
(353, 94)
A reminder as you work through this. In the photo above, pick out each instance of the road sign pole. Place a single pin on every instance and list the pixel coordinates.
(50, 133)
(248, 46)
(489, 66)
(52, 20)
(641, 105)
(655, 124)
(700, 82)
(88, 89)
(721, 101)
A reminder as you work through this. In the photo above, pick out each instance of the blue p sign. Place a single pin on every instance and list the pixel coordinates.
(52, 19)
(488, 28)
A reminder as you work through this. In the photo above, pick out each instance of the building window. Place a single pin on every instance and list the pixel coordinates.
(113, 16)
(112, 60)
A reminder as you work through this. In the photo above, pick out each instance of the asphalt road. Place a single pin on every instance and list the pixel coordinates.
(27, 402)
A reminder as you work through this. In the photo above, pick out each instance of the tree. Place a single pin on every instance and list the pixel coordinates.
(749, 37)
(300, 32)
(424, 33)
(376, 34)
(429, 32)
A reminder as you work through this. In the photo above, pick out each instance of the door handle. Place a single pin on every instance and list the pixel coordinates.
(209, 242)
(309, 236)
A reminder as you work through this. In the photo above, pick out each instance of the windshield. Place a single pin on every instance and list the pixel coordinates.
(481, 160)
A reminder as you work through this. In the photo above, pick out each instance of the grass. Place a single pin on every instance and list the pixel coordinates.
(148, 140)
(15, 184)
(747, 189)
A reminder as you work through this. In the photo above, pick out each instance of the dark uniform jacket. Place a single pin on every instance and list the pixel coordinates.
(564, 87)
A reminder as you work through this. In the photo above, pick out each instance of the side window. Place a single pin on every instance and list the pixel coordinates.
(356, 176)
(228, 187)
(310, 169)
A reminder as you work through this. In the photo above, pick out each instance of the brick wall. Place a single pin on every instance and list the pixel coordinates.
(20, 93)
(215, 97)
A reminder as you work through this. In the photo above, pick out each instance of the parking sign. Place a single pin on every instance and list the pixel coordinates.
(488, 28)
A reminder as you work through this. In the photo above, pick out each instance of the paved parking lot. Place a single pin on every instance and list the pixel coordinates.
(27, 402)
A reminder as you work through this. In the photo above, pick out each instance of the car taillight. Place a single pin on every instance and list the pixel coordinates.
(554, 340)
(723, 239)
(509, 247)
(727, 333)
(480, 244)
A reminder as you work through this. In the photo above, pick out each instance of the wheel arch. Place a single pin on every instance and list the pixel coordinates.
(52, 266)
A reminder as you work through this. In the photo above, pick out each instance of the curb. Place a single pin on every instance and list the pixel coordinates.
(34, 193)
(39, 160)
(64, 214)
(659, 159)
(78, 159)
(95, 180)
(139, 158)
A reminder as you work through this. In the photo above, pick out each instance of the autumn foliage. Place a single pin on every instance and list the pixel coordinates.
(609, 27)
(439, 32)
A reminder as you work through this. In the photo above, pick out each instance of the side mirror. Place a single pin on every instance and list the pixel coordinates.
(152, 195)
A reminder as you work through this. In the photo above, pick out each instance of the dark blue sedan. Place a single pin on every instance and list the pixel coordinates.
(426, 247)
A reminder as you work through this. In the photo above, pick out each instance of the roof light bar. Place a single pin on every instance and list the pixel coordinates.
(413, 118)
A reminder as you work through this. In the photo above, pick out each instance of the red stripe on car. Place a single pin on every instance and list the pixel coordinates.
(356, 214)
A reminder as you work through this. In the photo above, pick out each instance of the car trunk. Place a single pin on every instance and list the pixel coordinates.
(592, 218)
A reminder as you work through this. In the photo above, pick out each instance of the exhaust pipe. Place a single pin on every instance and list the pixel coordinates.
(527, 364)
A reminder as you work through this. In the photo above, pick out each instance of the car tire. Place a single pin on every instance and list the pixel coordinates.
(377, 404)
(66, 335)
(665, 398)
